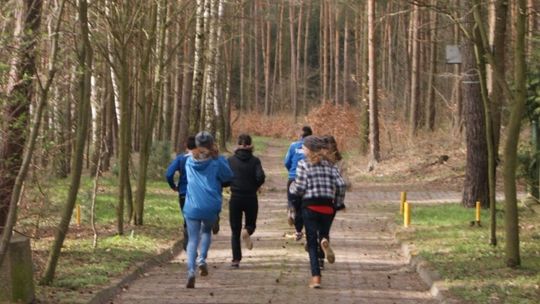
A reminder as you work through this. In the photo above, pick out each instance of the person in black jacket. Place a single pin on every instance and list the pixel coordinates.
(248, 178)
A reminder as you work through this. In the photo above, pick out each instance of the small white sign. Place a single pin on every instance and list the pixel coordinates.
(453, 55)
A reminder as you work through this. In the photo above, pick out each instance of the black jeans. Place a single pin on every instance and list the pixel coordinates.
(182, 201)
(317, 227)
(237, 207)
(295, 202)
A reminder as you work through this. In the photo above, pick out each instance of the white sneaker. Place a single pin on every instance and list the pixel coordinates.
(328, 252)
(247, 239)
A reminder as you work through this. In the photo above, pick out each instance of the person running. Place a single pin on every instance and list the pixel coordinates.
(206, 172)
(294, 155)
(248, 178)
(322, 188)
(179, 165)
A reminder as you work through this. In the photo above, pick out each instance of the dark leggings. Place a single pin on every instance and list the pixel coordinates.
(237, 207)
(296, 203)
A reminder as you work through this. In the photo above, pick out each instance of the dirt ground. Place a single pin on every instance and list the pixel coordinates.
(369, 268)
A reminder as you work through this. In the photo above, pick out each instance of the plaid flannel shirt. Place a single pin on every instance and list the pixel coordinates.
(321, 180)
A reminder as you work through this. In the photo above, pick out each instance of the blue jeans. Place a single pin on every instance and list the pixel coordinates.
(200, 233)
(317, 227)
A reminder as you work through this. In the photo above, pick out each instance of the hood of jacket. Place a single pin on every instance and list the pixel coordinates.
(243, 154)
(201, 164)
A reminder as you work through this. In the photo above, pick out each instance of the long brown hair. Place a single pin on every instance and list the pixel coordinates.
(315, 157)
(201, 153)
(332, 153)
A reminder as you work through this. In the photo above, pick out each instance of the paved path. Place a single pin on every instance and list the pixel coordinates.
(369, 266)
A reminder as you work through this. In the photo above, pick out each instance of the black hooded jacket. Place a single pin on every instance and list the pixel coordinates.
(248, 173)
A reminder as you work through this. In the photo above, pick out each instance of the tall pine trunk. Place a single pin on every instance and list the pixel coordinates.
(85, 57)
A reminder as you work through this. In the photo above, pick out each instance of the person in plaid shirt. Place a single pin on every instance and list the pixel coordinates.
(322, 189)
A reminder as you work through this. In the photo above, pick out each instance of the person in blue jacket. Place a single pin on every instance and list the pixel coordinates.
(179, 165)
(207, 172)
(294, 155)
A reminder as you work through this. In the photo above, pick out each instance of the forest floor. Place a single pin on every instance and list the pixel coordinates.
(370, 266)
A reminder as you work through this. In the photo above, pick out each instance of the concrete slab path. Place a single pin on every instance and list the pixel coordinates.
(369, 267)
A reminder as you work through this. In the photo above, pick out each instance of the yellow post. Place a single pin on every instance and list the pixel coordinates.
(478, 212)
(406, 214)
(78, 214)
(403, 200)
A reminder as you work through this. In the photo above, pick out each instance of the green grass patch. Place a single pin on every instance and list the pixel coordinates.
(82, 269)
(475, 270)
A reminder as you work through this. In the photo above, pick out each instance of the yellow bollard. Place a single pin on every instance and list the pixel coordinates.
(403, 200)
(406, 214)
(478, 206)
(78, 214)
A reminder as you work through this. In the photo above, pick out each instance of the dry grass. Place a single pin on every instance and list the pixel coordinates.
(404, 159)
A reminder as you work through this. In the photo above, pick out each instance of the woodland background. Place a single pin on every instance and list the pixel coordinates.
(115, 87)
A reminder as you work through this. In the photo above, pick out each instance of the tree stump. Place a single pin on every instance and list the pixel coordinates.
(16, 273)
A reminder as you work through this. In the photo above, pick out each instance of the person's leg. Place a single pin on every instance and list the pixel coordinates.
(235, 220)
(194, 228)
(206, 240)
(182, 200)
(251, 208)
(311, 225)
(324, 235)
(298, 219)
(290, 207)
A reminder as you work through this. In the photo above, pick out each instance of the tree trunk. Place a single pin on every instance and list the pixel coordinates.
(306, 61)
(210, 68)
(185, 118)
(198, 68)
(85, 66)
(511, 219)
(475, 187)
(19, 96)
(293, 62)
(415, 68)
(431, 108)
(374, 146)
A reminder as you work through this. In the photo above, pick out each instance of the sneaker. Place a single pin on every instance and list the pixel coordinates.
(299, 236)
(203, 270)
(328, 252)
(321, 264)
(235, 264)
(315, 282)
(190, 282)
(215, 228)
(247, 239)
(290, 216)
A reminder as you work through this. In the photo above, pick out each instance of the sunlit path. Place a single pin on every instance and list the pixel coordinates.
(369, 266)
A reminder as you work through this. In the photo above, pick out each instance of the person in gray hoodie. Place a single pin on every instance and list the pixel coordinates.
(248, 178)
(206, 172)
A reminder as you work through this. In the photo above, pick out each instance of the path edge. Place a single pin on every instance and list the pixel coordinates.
(431, 277)
(115, 287)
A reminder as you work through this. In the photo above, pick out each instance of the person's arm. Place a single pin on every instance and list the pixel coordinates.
(225, 173)
(171, 170)
(341, 186)
(298, 187)
(259, 173)
(288, 157)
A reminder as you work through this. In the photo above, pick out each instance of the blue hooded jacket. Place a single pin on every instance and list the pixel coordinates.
(294, 155)
(206, 177)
